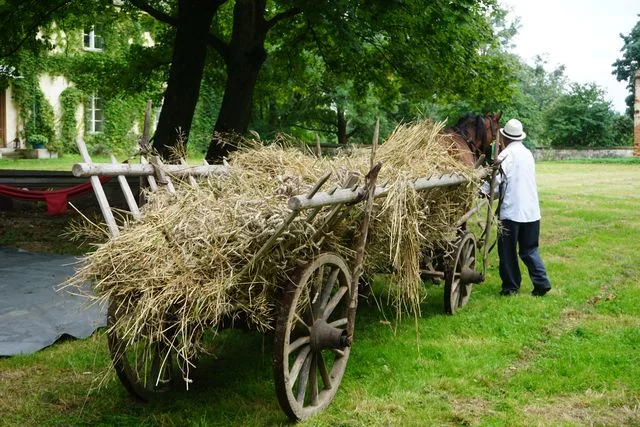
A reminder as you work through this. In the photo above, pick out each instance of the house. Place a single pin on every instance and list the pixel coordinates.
(59, 94)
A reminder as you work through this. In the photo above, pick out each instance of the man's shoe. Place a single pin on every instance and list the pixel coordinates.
(540, 292)
(506, 293)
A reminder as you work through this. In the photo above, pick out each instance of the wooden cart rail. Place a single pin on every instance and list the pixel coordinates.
(350, 195)
(157, 174)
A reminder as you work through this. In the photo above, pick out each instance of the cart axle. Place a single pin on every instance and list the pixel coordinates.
(469, 275)
(325, 336)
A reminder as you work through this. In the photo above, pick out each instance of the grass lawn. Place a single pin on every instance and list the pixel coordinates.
(569, 358)
(64, 163)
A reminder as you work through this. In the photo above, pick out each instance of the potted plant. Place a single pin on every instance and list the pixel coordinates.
(37, 141)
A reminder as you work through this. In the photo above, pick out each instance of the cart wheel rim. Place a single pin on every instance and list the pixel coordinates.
(144, 369)
(457, 293)
(307, 376)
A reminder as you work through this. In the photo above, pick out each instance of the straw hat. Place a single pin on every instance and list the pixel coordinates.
(513, 130)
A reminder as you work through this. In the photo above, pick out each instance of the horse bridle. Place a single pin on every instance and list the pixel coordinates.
(472, 146)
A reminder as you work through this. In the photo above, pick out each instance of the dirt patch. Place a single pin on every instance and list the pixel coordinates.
(35, 231)
(470, 411)
(589, 408)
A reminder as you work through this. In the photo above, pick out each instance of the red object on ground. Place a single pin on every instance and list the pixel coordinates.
(56, 199)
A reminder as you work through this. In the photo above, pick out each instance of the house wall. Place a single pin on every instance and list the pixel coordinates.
(52, 87)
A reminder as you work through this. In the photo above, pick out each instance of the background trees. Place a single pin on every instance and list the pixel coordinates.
(581, 118)
(303, 67)
(625, 67)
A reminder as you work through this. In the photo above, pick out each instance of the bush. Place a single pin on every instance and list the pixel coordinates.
(581, 118)
(37, 140)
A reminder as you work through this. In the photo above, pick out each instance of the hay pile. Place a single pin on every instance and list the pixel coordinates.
(176, 272)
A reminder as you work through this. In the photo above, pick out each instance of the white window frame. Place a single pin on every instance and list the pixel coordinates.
(92, 36)
(94, 125)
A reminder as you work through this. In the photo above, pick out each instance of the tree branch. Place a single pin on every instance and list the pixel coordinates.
(29, 35)
(155, 13)
(219, 45)
(282, 16)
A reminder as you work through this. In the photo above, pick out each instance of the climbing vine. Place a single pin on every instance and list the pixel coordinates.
(36, 113)
(106, 72)
(70, 99)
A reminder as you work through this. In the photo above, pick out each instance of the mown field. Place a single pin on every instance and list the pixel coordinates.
(569, 358)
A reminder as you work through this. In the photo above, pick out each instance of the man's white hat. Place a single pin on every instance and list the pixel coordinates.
(513, 130)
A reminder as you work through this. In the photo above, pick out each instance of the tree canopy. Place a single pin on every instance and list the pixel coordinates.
(360, 60)
(625, 67)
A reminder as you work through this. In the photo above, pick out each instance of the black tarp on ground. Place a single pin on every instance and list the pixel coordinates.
(33, 313)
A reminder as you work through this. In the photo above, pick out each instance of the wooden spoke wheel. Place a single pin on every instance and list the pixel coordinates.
(145, 370)
(311, 347)
(459, 279)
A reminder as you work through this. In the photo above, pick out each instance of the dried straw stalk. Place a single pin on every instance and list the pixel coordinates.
(175, 272)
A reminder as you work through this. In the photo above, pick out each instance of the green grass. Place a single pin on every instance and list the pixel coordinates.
(570, 358)
(64, 163)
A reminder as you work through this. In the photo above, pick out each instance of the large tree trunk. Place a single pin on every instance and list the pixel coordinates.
(246, 56)
(342, 126)
(185, 75)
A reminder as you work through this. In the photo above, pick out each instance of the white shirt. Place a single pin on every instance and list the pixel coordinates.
(518, 184)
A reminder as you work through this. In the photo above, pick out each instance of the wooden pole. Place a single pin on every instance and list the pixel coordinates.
(128, 194)
(348, 195)
(99, 192)
(144, 169)
(318, 148)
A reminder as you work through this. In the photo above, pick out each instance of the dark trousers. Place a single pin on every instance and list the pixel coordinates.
(520, 238)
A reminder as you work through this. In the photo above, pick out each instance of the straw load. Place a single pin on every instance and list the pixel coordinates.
(181, 270)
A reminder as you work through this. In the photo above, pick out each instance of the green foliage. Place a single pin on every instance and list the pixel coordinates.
(120, 113)
(206, 111)
(70, 99)
(622, 130)
(36, 114)
(625, 68)
(125, 72)
(581, 118)
(37, 140)
(536, 90)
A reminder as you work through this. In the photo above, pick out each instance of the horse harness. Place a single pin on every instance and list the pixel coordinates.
(469, 141)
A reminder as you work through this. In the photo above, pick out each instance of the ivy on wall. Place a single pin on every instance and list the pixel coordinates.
(106, 73)
(36, 113)
(70, 99)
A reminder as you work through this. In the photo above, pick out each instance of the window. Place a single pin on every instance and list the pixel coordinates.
(93, 39)
(94, 115)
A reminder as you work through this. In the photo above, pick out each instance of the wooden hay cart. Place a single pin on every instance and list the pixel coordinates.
(315, 324)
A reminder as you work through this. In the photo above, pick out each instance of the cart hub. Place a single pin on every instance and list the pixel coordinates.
(325, 336)
(469, 275)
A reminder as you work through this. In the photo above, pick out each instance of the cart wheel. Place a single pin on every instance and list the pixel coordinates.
(311, 347)
(459, 280)
(144, 370)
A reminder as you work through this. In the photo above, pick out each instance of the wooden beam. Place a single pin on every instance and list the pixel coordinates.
(144, 169)
(128, 194)
(348, 196)
(99, 192)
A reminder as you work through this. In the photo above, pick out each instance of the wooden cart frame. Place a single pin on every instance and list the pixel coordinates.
(315, 324)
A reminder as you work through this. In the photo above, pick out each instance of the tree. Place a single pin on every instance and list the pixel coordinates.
(625, 68)
(434, 50)
(581, 118)
(537, 89)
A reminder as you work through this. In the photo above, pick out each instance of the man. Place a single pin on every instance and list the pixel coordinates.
(519, 214)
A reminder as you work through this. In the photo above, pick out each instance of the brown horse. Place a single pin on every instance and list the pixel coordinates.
(471, 137)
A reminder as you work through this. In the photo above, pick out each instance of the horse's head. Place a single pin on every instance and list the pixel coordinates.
(479, 131)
